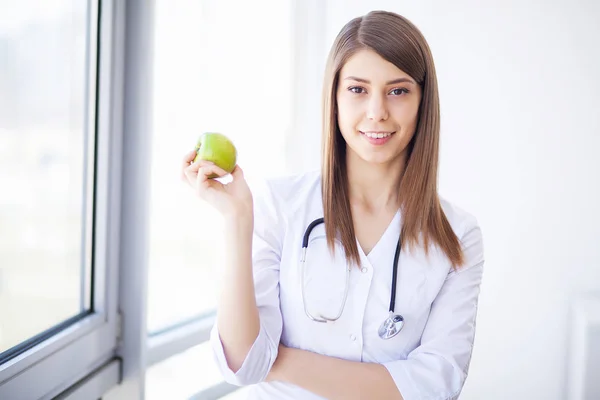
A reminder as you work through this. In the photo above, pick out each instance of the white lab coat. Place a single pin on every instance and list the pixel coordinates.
(428, 359)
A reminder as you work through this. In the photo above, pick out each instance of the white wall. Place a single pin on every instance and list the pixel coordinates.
(520, 137)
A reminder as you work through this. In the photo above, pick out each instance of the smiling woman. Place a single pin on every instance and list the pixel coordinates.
(384, 303)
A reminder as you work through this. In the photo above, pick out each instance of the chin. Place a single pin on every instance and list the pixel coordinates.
(376, 158)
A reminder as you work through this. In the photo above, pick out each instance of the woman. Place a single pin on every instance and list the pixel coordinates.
(377, 193)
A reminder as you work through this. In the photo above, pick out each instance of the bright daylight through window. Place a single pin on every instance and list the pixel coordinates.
(46, 169)
(214, 71)
(220, 71)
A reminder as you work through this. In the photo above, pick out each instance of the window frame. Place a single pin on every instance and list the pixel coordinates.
(61, 359)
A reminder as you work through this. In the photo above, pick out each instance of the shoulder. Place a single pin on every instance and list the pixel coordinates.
(468, 230)
(290, 187)
(459, 218)
(288, 193)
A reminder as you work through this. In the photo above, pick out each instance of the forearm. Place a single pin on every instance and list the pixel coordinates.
(335, 378)
(237, 316)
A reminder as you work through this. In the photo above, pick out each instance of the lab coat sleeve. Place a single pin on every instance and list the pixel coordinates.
(266, 250)
(437, 369)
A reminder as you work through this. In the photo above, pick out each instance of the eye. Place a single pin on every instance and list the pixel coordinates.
(356, 89)
(399, 91)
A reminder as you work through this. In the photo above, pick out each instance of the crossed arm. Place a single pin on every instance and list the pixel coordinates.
(333, 378)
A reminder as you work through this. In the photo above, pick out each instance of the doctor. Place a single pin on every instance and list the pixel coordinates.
(378, 300)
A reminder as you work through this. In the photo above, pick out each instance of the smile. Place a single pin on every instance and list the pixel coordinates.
(376, 138)
(377, 135)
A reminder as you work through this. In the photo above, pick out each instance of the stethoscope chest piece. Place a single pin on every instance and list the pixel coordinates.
(391, 326)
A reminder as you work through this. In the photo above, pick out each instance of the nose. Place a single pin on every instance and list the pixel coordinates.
(377, 109)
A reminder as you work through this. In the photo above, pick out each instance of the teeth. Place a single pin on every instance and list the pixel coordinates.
(377, 135)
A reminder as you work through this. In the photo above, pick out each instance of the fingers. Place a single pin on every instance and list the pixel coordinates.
(207, 168)
(237, 172)
(204, 183)
(206, 172)
(188, 159)
(190, 172)
(185, 163)
(200, 174)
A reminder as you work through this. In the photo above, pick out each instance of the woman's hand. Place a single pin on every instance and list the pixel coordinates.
(232, 200)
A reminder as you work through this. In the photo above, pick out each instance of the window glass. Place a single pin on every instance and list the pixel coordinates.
(46, 166)
(182, 375)
(219, 66)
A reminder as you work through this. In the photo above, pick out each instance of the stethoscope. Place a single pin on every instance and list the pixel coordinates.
(393, 323)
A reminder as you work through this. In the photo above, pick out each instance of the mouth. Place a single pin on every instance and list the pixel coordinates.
(377, 137)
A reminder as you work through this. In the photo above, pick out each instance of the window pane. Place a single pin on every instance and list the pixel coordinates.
(220, 66)
(185, 375)
(45, 165)
(182, 375)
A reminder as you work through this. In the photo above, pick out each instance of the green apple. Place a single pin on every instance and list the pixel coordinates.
(218, 149)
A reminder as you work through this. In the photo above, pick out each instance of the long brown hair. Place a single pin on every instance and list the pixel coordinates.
(398, 41)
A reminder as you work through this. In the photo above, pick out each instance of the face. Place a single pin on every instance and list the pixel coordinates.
(378, 107)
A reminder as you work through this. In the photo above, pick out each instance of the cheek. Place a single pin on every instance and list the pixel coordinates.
(347, 116)
(343, 124)
(407, 116)
(411, 123)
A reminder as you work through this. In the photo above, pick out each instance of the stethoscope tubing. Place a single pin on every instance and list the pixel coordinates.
(395, 322)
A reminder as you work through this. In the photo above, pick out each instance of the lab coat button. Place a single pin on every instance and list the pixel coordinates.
(352, 337)
(364, 270)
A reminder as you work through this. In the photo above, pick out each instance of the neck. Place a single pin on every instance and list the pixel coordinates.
(373, 186)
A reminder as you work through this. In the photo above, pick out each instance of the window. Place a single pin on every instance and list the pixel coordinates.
(46, 165)
(46, 170)
(182, 375)
(57, 311)
(188, 375)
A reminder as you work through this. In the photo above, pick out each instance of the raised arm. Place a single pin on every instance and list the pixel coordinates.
(246, 335)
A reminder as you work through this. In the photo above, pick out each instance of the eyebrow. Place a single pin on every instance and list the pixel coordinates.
(392, 82)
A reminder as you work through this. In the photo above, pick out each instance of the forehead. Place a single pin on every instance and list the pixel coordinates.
(367, 64)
